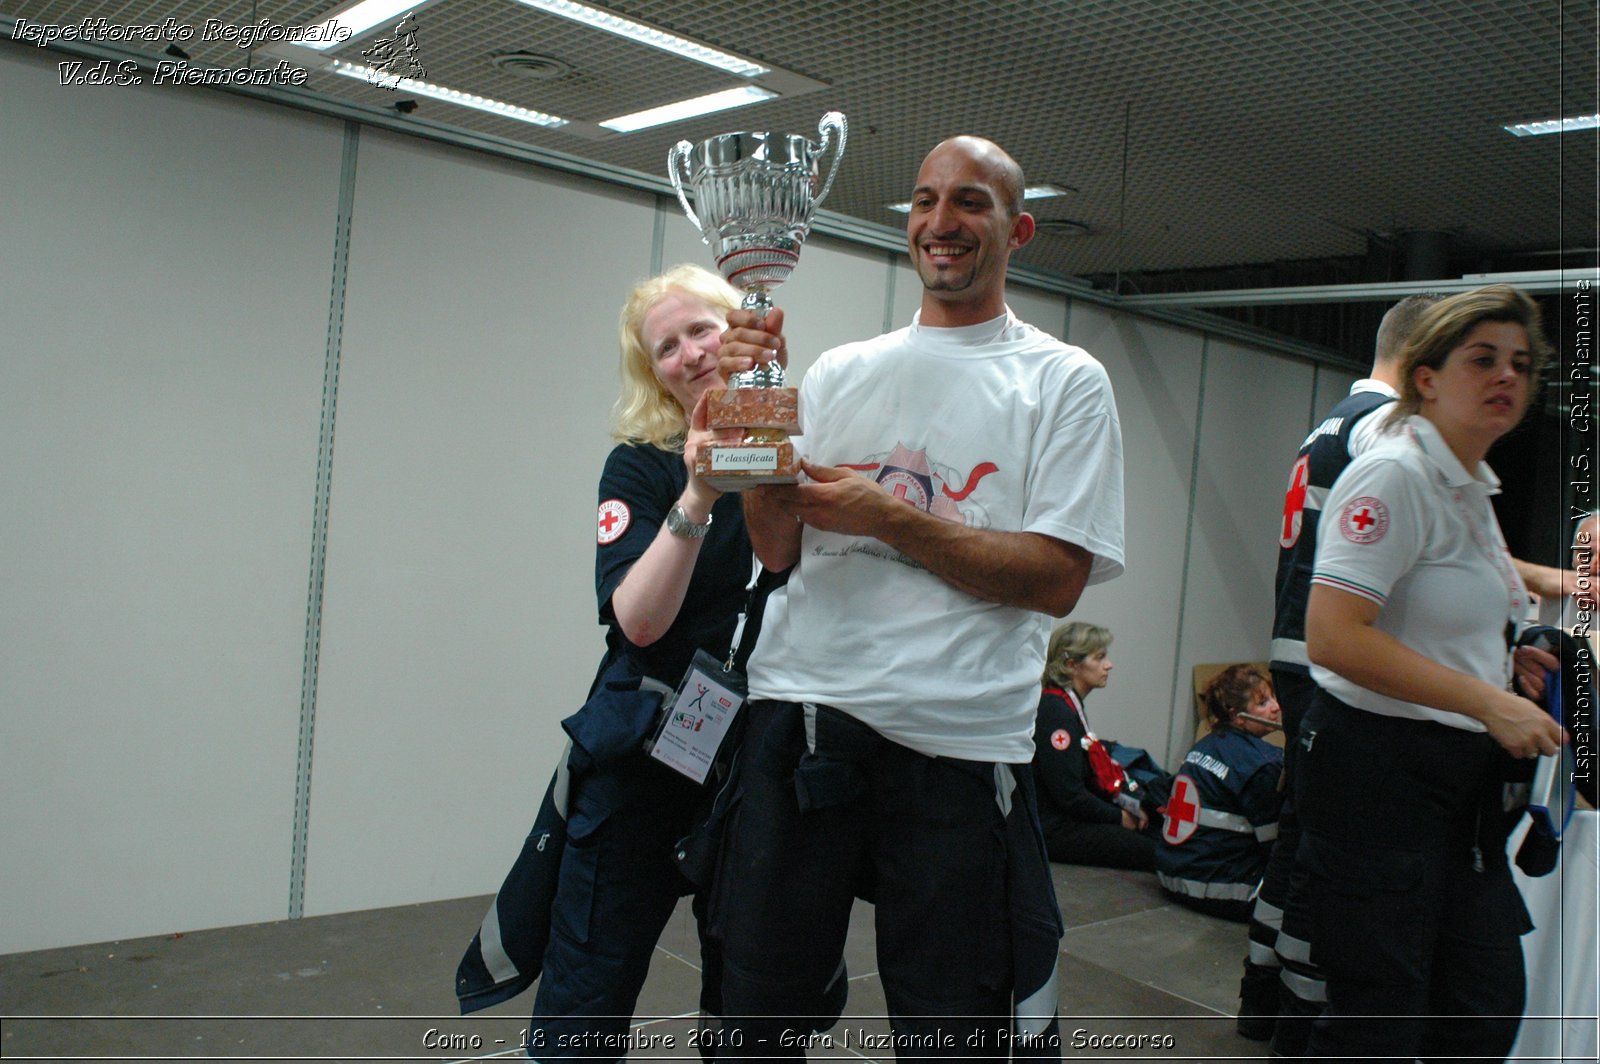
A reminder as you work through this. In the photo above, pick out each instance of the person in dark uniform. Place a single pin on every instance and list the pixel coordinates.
(1223, 813)
(1414, 729)
(1078, 793)
(671, 565)
(1347, 430)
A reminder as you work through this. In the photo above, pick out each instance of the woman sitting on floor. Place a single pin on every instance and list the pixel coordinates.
(1086, 814)
(1223, 812)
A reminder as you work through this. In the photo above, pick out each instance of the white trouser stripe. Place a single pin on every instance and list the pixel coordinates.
(1294, 949)
(1034, 1013)
(491, 949)
(1267, 914)
(1303, 987)
(1264, 955)
(1005, 785)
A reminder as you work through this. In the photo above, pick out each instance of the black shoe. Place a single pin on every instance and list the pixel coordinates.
(1290, 1036)
(1256, 1028)
(1258, 1002)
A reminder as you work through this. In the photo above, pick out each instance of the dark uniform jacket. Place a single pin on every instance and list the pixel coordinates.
(1232, 802)
(1062, 768)
(1322, 457)
(639, 485)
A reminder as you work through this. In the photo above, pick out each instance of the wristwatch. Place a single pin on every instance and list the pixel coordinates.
(679, 525)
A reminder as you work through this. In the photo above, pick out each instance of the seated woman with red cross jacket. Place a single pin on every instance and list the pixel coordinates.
(1085, 809)
(1223, 812)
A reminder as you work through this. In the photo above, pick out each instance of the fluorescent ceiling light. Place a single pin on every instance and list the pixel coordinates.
(1554, 125)
(636, 31)
(1031, 192)
(438, 92)
(700, 105)
(358, 20)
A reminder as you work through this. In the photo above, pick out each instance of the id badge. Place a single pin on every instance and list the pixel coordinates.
(698, 716)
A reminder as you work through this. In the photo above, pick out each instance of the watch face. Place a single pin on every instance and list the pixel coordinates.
(678, 524)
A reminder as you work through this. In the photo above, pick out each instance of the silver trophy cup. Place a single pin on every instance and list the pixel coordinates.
(756, 194)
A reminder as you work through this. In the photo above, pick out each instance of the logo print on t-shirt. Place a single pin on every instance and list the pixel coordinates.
(909, 475)
(614, 518)
(1364, 520)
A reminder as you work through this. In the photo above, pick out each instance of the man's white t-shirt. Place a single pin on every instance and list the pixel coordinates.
(1409, 528)
(997, 425)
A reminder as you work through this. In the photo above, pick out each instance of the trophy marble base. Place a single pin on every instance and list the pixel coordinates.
(754, 408)
(737, 466)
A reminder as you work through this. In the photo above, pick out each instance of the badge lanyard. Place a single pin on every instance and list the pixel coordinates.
(1070, 697)
(1107, 771)
(699, 714)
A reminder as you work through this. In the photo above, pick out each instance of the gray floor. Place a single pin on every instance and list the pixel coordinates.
(377, 985)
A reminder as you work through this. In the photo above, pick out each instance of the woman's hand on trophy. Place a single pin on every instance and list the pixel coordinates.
(699, 437)
(751, 340)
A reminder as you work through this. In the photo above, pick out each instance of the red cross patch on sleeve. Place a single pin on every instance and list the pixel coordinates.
(1182, 810)
(1364, 520)
(614, 518)
(1060, 739)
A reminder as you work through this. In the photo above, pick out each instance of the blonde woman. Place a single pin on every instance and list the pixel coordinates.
(671, 564)
(1078, 809)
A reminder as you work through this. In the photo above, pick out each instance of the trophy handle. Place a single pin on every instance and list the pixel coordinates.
(833, 120)
(678, 158)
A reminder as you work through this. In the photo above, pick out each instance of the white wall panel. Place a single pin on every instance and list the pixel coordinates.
(1043, 310)
(681, 241)
(1254, 420)
(907, 296)
(1155, 374)
(164, 285)
(459, 625)
(1332, 385)
(168, 263)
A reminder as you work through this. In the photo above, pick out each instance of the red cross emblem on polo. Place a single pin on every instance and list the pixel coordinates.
(1183, 810)
(1364, 520)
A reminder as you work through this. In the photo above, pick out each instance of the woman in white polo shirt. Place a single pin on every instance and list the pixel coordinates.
(1414, 603)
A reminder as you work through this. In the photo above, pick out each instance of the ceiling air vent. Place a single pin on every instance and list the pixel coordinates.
(530, 65)
(1062, 227)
